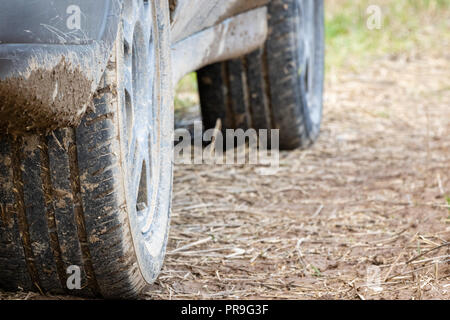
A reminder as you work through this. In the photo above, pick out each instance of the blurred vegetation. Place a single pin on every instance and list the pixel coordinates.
(407, 26)
(186, 94)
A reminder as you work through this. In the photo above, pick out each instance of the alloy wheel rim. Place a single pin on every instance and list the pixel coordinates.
(307, 25)
(143, 140)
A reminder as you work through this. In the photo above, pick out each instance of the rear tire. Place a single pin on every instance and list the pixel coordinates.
(97, 196)
(279, 86)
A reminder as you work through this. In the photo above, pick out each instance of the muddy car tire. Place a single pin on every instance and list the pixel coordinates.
(95, 200)
(279, 86)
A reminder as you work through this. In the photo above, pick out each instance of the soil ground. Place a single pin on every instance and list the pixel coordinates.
(363, 214)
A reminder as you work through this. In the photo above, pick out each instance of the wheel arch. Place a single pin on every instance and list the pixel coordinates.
(52, 57)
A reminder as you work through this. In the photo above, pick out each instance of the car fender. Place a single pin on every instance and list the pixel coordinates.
(52, 57)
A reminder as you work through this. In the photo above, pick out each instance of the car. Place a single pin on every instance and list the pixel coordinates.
(86, 123)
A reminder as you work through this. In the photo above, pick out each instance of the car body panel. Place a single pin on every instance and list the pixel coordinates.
(52, 56)
(227, 40)
(53, 21)
(50, 67)
(192, 16)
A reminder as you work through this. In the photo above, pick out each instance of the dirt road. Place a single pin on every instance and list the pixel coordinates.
(361, 215)
(340, 220)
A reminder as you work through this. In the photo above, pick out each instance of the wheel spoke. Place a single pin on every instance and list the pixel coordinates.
(148, 206)
(144, 134)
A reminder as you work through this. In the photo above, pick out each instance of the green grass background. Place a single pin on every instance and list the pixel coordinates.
(408, 26)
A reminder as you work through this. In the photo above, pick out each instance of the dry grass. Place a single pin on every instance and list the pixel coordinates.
(371, 193)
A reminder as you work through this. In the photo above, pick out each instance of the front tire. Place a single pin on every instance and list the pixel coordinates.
(97, 197)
